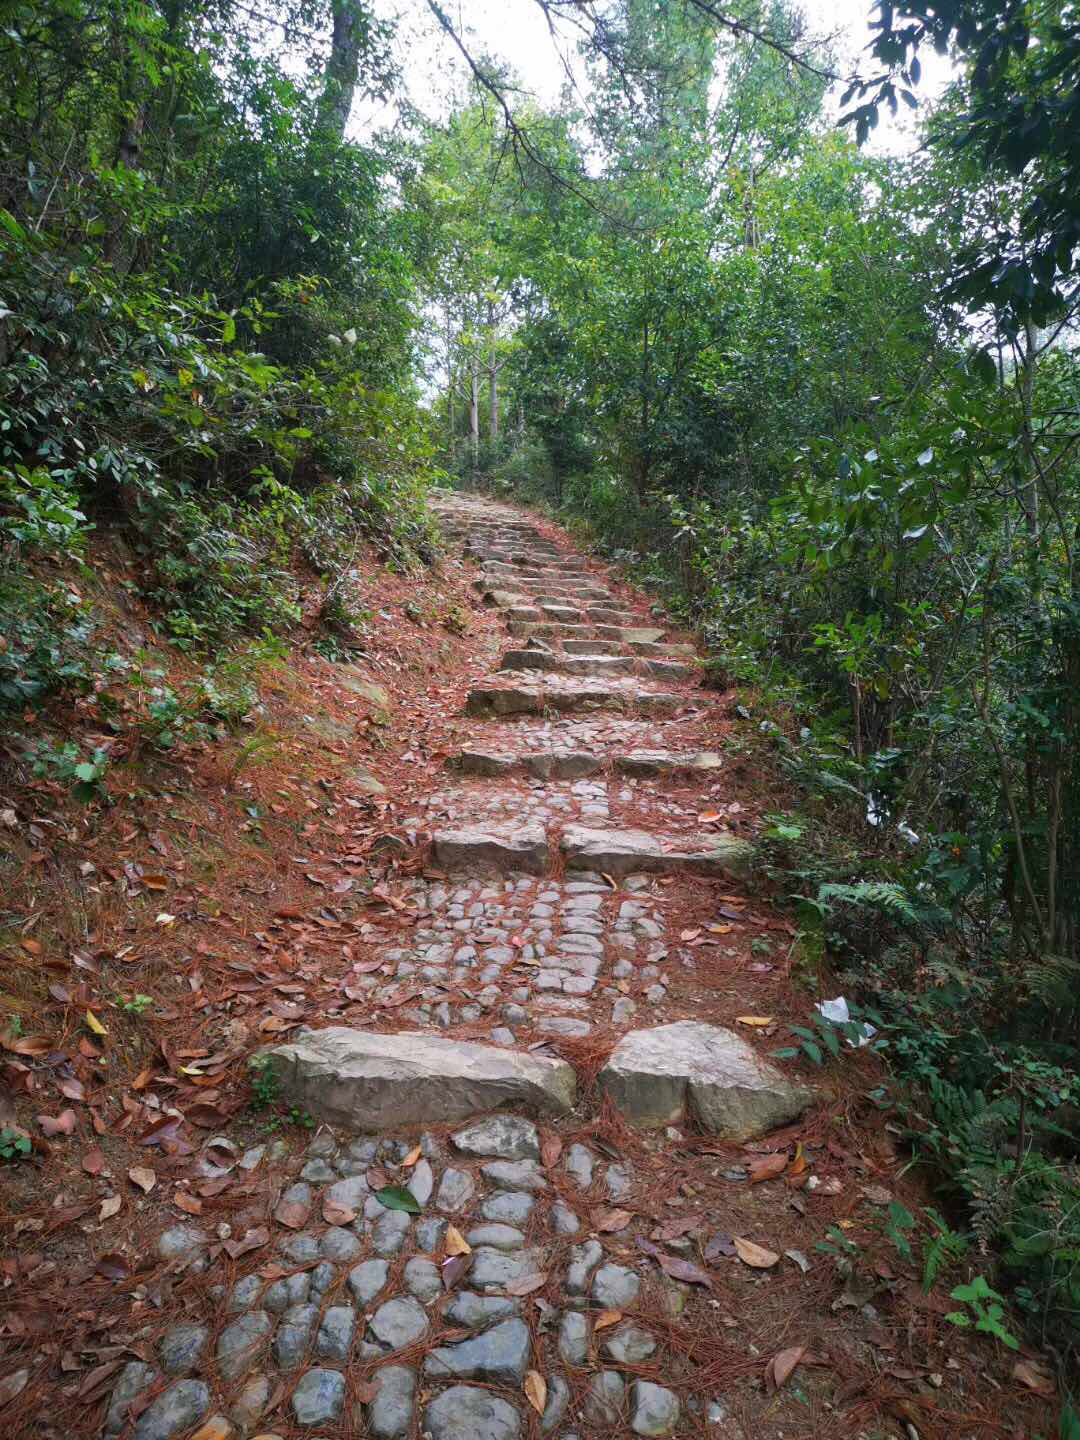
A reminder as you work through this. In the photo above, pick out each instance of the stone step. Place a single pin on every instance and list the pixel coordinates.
(364, 1081)
(555, 764)
(475, 847)
(595, 664)
(629, 852)
(604, 615)
(560, 612)
(495, 698)
(668, 762)
(690, 1071)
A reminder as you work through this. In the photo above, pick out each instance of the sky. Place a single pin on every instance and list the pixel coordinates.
(517, 32)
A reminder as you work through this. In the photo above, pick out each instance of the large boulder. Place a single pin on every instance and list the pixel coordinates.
(662, 1076)
(365, 1081)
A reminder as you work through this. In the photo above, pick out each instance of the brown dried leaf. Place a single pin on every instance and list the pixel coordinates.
(62, 1124)
(188, 1203)
(536, 1391)
(768, 1167)
(1035, 1378)
(143, 1177)
(335, 1213)
(756, 1256)
(782, 1365)
(93, 1162)
(684, 1270)
(550, 1151)
(110, 1206)
(606, 1318)
(453, 1269)
(412, 1157)
(252, 1240)
(527, 1284)
(456, 1244)
(608, 1221)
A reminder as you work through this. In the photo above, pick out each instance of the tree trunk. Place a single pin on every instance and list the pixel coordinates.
(474, 411)
(493, 372)
(340, 75)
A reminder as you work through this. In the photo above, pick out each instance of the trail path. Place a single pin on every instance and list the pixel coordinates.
(630, 1249)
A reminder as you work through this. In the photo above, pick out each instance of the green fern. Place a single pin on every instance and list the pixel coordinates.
(942, 1250)
(884, 896)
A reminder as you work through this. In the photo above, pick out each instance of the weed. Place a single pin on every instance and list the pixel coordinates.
(14, 1145)
(134, 1004)
(265, 1086)
(986, 1307)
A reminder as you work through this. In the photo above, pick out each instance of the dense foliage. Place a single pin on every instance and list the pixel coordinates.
(189, 250)
(783, 380)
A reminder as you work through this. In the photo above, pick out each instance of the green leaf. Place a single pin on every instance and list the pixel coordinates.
(86, 772)
(814, 1051)
(396, 1197)
(228, 331)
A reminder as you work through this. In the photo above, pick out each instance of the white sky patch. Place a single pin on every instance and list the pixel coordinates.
(516, 32)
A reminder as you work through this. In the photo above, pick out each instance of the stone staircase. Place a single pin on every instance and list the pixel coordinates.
(497, 1300)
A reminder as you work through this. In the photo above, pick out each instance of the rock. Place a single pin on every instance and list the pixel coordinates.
(493, 1267)
(244, 1293)
(429, 1234)
(421, 1182)
(175, 1411)
(579, 1164)
(516, 1174)
(301, 1249)
(335, 1333)
(390, 1412)
(133, 1380)
(339, 1245)
(353, 680)
(367, 784)
(456, 1188)
(183, 1348)
(500, 1354)
(564, 1220)
(583, 1261)
(466, 1413)
(665, 762)
(182, 1242)
(472, 1310)
(240, 1343)
(422, 1279)
(629, 1344)
(558, 1398)
(573, 1337)
(399, 1322)
(658, 1077)
(508, 1137)
(606, 1397)
(353, 1078)
(562, 764)
(319, 1398)
(482, 848)
(502, 1237)
(390, 1230)
(615, 1286)
(653, 1409)
(626, 852)
(218, 1427)
(289, 1290)
(251, 1401)
(293, 1334)
(484, 762)
(507, 1207)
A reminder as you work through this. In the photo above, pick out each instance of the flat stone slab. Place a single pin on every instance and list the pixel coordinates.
(629, 852)
(474, 847)
(661, 1076)
(365, 1081)
(568, 697)
(667, 762)
(555, 764)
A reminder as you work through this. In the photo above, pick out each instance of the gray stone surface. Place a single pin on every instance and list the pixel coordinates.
(583, 1261)
(390, 1412)
(507, 1207)
(615, 1286)
(502, 1237)
(466, 1413)
(472, 1310)
(507, 1137)
(516, 1174)
(335, 1333)
(182, 1242)
(605, 1398)
(479, 848)
(240, 1344)
(573, 1337)
(422, 1278)
(355, 1077)
(654, 1410)
(629, 1344)
(389, 1231)
(626, 852)
(500, 1355)
(319, 1398)
(657, 1077)
(175, 1412)
(135, 1377)
(558, 1398)
(456, 1188)
(399, 1322)
(183, 1348)
(293, 1335)
(493, 1267)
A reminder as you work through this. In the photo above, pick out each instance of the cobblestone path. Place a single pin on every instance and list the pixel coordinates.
(544, 1276)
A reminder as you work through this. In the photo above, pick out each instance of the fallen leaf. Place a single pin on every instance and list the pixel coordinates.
(536, 1391)
(782, 1365)
(143, 1177)
(550, 1150)
(798, 1258)
(251, 1240)
(110, 1206)
(606, 1318)
(188, 1203)
(754, 1255)
(684, 1270)
(293, 1214)
(720, 1244)
(335, 1213)
(798, 1165)
(754, 1019)
(216, 1428)
(676, 1229)
(28, 1044)
(453, 1269)
(608, 1221)
(95, 1024)
(690, 934)
(395, 1197)
(456, 1244)
(62, 1124)
(877, 1194)
(1035, 1378)
(526, 1284)
(768, 1167)
(412, 1157)
(93, 1162)
(113, 1267)
(73, 1089)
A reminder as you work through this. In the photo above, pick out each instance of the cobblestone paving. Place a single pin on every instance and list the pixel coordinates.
(495, 1310)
